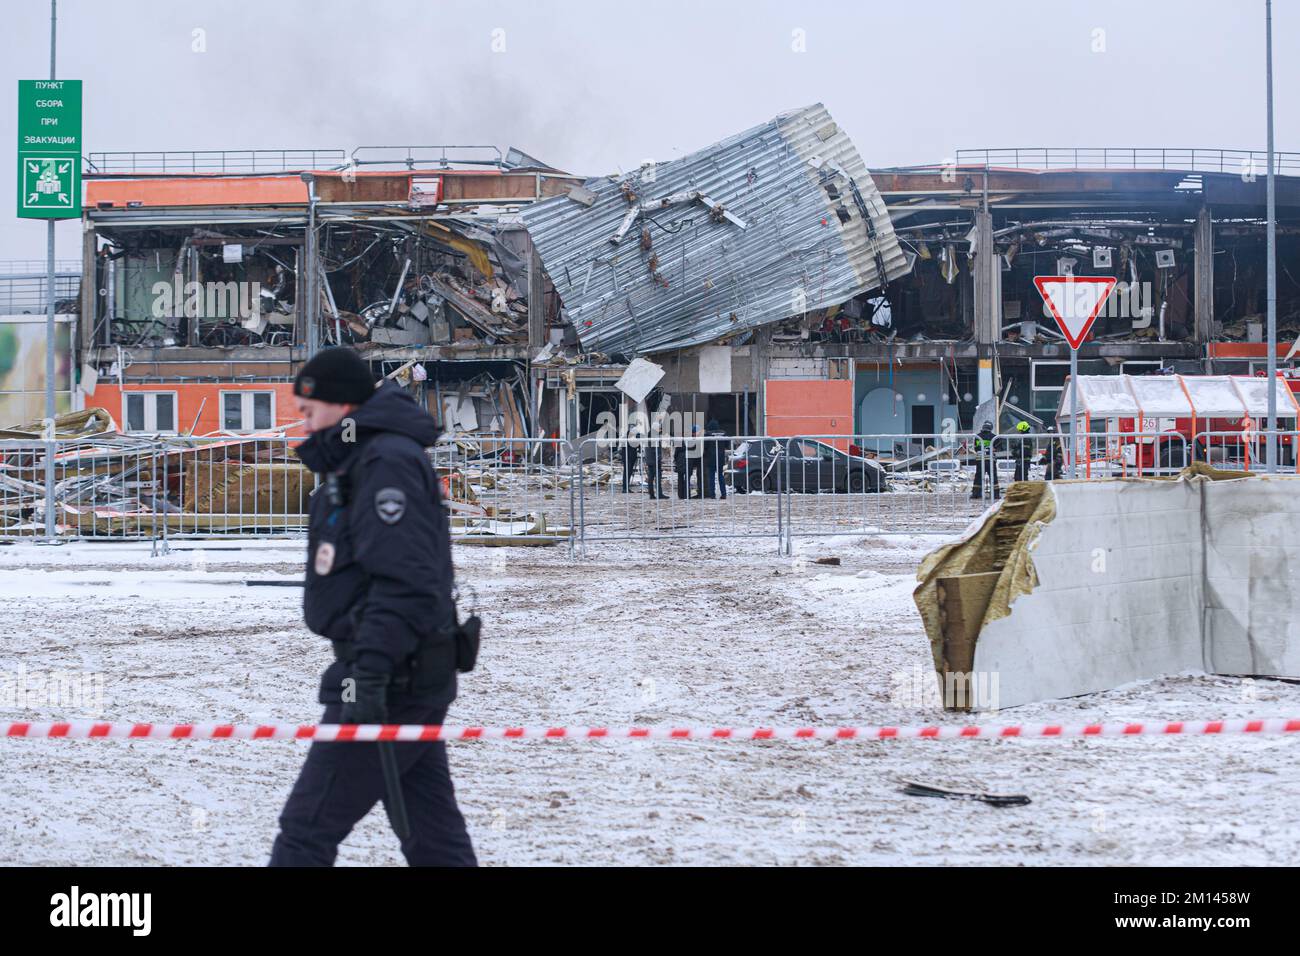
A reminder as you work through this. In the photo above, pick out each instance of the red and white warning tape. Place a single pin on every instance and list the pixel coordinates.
(84, 730)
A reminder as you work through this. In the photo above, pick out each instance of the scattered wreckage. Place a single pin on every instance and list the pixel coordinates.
(111, 484)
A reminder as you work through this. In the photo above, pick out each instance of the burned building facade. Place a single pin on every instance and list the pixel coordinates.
(1181, 230)
(781, 285)
(197, 285)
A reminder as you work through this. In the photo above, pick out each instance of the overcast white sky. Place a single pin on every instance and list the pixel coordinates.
(597, 86)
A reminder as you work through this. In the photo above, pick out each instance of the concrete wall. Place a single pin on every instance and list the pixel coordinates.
(1119, 595)
(1252, 558)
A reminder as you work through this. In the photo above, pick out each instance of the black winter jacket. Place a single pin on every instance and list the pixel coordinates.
(379, 571)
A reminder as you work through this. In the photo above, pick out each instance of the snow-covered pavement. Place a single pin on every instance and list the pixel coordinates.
(701, 633)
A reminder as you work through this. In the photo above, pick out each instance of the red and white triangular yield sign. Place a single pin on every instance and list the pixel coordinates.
(1075, 302)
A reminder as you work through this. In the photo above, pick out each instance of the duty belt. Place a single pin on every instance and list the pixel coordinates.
(346, 651)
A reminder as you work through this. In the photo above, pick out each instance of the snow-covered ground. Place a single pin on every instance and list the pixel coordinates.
(701, 632)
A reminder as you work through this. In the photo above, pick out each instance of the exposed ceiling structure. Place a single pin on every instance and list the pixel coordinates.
(776, 221)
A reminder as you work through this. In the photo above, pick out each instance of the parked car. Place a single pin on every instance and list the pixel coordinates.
(809, 466)
(751, 465)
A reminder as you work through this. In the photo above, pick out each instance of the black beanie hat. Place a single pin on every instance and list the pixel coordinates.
(336, 375)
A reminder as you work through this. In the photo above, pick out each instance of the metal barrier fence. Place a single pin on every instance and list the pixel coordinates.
(1116, 454)
(1245, 451)
(703, 486)
(760, 486)
(546, 491)
(23, 489)
(144, 488)
(915, 484)
(516, 491)
(1151, 454)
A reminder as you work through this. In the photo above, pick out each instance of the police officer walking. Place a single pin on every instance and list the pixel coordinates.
(379, 582)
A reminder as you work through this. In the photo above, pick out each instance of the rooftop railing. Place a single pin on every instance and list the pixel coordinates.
(1237, 161)
(215, 161)
(18, 267)
(25, 293)
(245, 161)
(428, 157)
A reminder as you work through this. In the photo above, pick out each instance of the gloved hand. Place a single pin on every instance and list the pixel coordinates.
(370, 688)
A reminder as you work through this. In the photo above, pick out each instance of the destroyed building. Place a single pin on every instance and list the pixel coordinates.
(490, 284)
(1182, 230)
(196, 281)
(780, 284)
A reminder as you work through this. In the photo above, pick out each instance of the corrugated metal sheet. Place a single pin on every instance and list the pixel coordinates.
(701, 278)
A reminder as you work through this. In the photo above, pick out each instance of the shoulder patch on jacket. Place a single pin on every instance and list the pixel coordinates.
(324, 562)
(390, 504)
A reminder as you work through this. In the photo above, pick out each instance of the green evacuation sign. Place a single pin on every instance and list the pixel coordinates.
(49, 149)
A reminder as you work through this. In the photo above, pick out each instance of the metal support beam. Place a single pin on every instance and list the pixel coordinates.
(89, 298)
(310, 269)
(536, 300)
(1204, 277)
(988, 282)
(187, 267)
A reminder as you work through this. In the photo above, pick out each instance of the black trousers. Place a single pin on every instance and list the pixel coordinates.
(685, 469)
(341, 782)
(1022, 467)
(630, 455)
(714, 477)
(985, 471)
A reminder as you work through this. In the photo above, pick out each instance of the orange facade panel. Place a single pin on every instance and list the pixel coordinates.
(198, 191)
(1244, 349)
(198, 405)
(808, 407)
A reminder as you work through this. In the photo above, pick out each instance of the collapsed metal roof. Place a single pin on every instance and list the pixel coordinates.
(773, 222)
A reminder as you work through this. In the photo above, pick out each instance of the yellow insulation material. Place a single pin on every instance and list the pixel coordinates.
(1000, 545)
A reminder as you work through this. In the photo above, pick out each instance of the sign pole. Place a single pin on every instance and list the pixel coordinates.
(50, 413)
(49, 188)
(1074, 413)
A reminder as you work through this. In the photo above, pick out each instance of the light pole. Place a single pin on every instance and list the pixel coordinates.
(1270, 438)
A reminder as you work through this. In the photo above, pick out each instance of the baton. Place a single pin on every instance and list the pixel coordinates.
(393, 785)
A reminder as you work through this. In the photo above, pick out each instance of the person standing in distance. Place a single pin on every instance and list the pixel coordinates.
(1023, 451)
(379, 587)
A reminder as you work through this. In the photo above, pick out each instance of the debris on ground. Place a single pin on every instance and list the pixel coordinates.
(915, 789)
